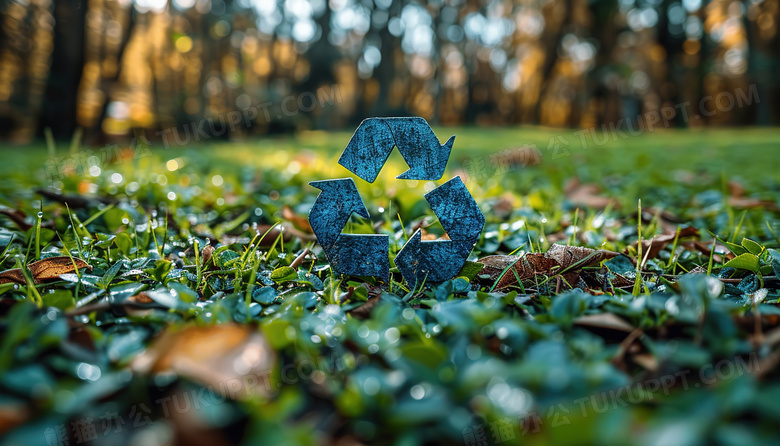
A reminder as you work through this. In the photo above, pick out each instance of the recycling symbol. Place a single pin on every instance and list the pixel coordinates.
(368, 254)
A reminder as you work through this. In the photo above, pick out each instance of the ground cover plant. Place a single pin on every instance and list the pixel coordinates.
(624, 292)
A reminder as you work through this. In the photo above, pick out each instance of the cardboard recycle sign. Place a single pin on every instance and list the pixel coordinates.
(368, 254)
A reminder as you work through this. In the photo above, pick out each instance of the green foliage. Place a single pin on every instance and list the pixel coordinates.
(352, 357)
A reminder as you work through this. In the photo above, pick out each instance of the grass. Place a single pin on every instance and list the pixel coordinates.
(208, 308)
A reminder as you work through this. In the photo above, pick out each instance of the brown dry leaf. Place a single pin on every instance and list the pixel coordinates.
(206, 254)
(646, 361)
(569, 255)
(427, 236)
(556, 237)
(604, 320)
(140, 298)
(74, 201)
(651, 248)
(736, 189)
(666, 219)
(557, 258)
(16, 216)
(621, 281)
(738, 199)
(289, 232)
(297, 220)
(503, 207)
(752, 203)
(12, 276)
(364, 311)
(47, 269)
(525, 267)
(227, 357)
(12, 415)
(494, 265)
(51, 268)
(587, 195)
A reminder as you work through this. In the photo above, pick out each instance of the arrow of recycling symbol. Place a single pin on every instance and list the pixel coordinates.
(374, 139)
(352, 254)
(367, 254)
(440, 260)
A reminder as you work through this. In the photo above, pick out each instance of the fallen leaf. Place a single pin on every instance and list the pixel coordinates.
(557, 236)
(16, 216)
(51, 268)
(298, 220)
(374, 294)
(651, 248)
(555, 261)
(737, 199)
(524, 267)
(140, 298)
(75, 201)
(429, 236)
(621, 281)
(12, 415)
(736, 189)
(604, 320)
(289, 232)
(752, 203)
(227, 357)
(208, 250)
(493, 266)
(666, 219)
(570, 255)
(503, 207)
(364, 311)
(587, 195)
(12, 276)
(647, 361)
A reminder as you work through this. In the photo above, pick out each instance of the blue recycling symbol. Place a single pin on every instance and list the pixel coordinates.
(368, 254)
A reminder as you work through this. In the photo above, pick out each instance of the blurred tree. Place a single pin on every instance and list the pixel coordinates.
(67, 65)
(115, 66)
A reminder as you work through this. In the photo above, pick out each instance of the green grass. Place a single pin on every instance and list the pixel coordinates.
(192, 286)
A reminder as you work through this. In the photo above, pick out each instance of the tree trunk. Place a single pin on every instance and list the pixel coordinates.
(59, 106)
